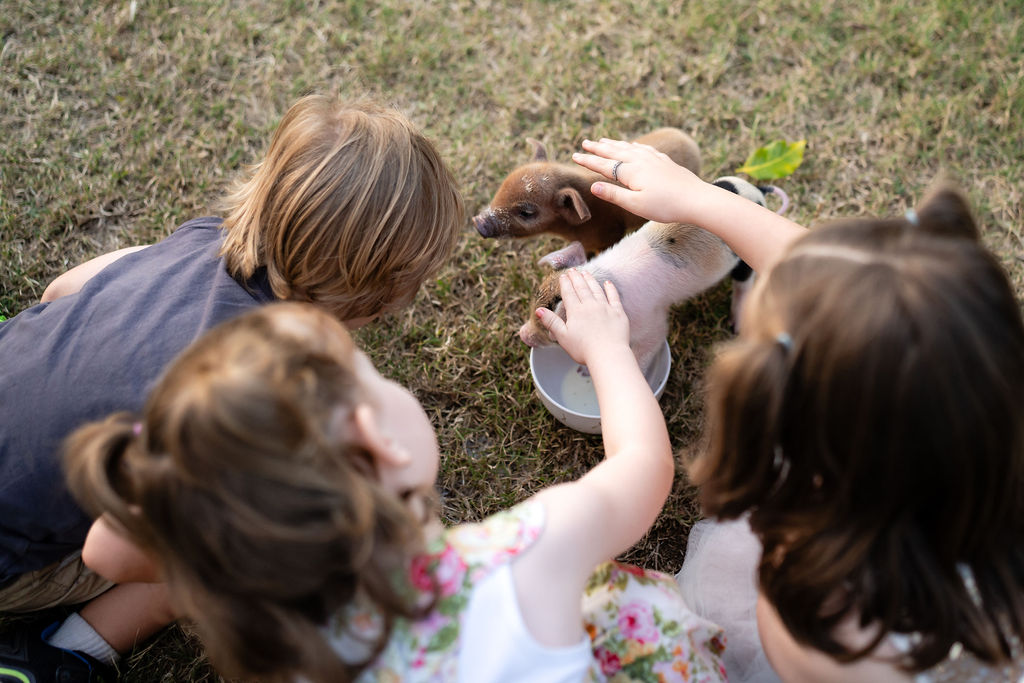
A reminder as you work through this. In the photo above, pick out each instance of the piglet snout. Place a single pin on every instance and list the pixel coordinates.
(527, 335)
(533, 334)
(486, 224)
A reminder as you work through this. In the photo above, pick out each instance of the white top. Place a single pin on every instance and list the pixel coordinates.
(497, 646)
(718, 580)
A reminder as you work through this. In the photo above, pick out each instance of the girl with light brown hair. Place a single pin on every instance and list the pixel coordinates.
(351, 209)
(869, 424)
(283, 489)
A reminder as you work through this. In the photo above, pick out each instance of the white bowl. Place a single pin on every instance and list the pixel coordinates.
(568, 393)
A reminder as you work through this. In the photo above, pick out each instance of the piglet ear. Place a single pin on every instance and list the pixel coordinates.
(570, 206)
(539, 153)
(944, 211)
(566, 257)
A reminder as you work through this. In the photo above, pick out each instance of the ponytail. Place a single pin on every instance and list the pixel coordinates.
(97, 475)
(263, 510)
(944, 212)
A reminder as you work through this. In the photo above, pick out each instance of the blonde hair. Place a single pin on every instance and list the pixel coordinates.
(352, 209)
(872, 424)
(243, 482)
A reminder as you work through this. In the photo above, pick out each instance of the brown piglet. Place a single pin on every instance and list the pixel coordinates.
(546, 196)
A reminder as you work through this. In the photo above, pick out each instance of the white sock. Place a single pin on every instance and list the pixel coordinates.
(76, 634)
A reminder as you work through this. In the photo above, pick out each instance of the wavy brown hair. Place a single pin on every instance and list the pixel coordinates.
(241, 480)
(351, 208)
(879, 449)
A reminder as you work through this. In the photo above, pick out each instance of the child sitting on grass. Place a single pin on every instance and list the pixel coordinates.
(286, 491)
(870, 423)
(351, 209)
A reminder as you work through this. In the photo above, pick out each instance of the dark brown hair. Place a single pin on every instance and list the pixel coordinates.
(242, 481)
(871, 421)
(351, 208)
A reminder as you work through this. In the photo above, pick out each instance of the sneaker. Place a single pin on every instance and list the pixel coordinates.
(28, 658)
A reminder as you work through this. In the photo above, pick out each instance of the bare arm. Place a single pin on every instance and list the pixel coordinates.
(139, 605)
(72, 280)
(611, 507)
(659, 189)
(109, 553)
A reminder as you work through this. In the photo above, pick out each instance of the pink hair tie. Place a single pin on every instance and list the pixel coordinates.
(136, 428)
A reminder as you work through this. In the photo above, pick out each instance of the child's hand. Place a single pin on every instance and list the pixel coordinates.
(655, 186)
(594, 316)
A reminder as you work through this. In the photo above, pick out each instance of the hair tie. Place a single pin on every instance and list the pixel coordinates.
(136, 428)
(784, 340)
(780, 466)
(967, 576)
(911, 216)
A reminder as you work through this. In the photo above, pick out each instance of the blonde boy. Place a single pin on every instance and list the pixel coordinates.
(351, 209)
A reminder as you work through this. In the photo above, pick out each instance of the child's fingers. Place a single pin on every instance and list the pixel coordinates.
(618, 149)
(653, 151)
(607, 143)
(608, 164)
(585, 288)
(606, 148)
(612, 294)
(599, 164)
(582, 289)
(552, 323)
(613, 193)
(613, 170)
(567, 287)
(593, 285)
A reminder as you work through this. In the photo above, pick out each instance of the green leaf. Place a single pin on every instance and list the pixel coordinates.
(776, 160)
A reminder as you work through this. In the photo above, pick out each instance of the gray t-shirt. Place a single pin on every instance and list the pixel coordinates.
(89, 354)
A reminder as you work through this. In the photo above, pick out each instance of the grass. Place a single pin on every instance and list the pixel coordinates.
(123, 119)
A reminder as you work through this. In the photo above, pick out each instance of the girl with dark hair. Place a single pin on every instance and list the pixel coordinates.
(869, 424)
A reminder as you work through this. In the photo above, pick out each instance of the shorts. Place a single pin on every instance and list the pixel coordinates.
(67, 582)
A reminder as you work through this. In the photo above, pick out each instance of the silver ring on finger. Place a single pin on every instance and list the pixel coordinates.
(615, 170)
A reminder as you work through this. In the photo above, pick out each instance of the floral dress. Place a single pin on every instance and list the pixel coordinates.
(639, 626)
(641, 629)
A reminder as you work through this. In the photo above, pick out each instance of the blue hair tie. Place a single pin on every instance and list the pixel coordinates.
(911, 216)
(784, 340)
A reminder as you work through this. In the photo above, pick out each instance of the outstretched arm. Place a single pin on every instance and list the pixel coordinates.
(659, 189)
(72, 280)
(610, 508)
